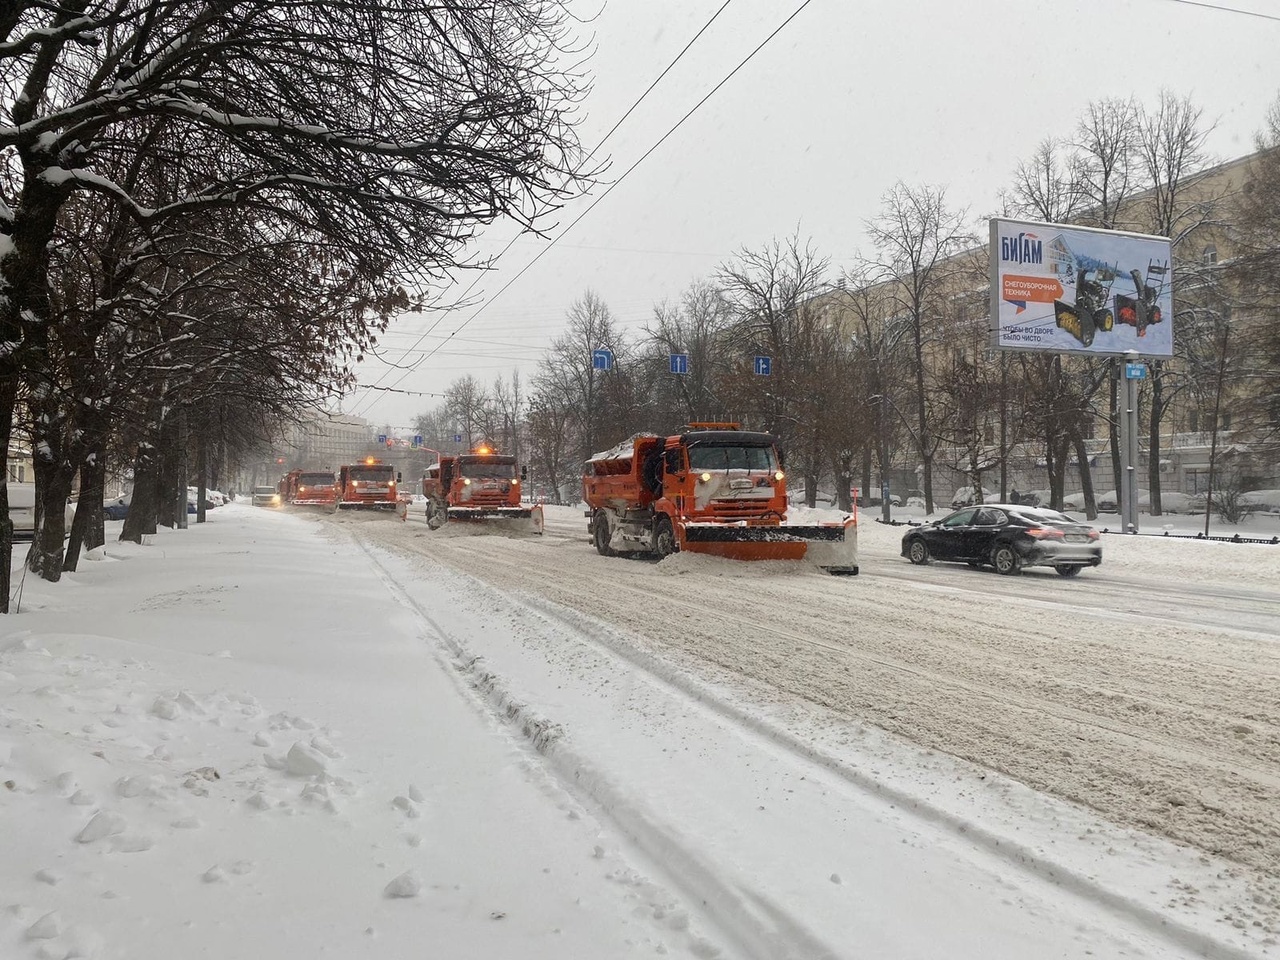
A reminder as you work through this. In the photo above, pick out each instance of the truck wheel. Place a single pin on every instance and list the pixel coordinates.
(436, 515)
(601, 535)
(664, 538)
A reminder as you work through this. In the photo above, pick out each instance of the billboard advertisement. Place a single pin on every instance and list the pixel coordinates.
(1065, 289)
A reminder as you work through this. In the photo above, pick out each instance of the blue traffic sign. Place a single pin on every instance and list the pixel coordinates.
(1135, 371)
(679, 363)
(382, 438)
(764, 366)
(457, 438)
(417, 440)
(602, 359)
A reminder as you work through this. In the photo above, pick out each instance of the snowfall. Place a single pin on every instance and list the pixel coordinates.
(286, 735)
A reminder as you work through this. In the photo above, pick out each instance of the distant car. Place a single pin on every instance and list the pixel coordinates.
(116, 509)
(265, 497)
(1109, 502)
(1007, 536)
(967, 496)
(1262, 501)
(22, 510)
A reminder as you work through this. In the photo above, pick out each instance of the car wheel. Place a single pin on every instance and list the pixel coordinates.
(664, 538)
(1068, 570)
(601, 535)
(918, 552)
(1006, 560)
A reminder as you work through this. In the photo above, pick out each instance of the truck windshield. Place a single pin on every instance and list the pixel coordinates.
(487, 468)
(382, 474)
(707, 457)
(316, 480)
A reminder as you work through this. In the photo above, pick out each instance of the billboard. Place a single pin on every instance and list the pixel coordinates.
(1068, 289)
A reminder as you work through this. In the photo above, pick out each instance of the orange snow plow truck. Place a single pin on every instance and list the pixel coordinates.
(480, 485)
(713, 489)
(367, 486)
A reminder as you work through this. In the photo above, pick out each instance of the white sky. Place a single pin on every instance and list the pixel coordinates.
(240, 740)
(846, 100)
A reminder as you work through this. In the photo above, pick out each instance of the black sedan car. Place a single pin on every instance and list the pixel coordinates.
(1007, 536)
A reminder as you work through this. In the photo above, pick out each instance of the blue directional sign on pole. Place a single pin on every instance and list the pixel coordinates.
(417, 440)
(602, 359)
(457, 438)
(764, 366)
(382, 439)
(679, 363)
(1135, 371)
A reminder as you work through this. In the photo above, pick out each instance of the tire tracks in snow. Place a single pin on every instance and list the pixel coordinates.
(1036, 699)
(767, 933)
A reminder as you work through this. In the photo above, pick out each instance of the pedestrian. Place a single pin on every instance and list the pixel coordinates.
(1013, 497)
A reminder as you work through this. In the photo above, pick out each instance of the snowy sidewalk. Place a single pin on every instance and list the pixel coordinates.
(234, 743)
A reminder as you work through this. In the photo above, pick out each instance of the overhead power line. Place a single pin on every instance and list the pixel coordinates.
(576, 220)
(1214, 6)
(594, 151)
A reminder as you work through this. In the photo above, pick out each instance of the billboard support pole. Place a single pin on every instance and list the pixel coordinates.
(1129, 445)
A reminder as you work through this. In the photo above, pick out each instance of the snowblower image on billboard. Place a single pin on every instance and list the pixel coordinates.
(1078, 290)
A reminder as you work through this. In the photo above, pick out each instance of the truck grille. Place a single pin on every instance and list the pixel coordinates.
(736, 509)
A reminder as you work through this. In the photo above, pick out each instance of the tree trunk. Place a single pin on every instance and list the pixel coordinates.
(202, 467)
(1086, 474)
(8, 398)
(1113, 423)
(145, 505)
(866, 471)
(53, 490)
(1153, 437)
(86, 529)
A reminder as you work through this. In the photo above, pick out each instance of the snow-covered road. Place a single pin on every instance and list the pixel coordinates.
(1150, 699)
(293, 735)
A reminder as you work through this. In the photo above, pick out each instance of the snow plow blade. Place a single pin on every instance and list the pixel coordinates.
(523, 519)
(831, 546)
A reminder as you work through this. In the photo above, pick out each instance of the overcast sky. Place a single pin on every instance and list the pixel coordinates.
(850, 97)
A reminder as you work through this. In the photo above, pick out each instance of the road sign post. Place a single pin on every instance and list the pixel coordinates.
(1133, 372)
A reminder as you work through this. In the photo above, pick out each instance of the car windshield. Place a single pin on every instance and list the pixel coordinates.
(713, 457)
(499, 469)
(268, 491)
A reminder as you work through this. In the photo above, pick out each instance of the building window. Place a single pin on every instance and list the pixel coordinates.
(1226, 421)
(1193, 421)
(1210, 254)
